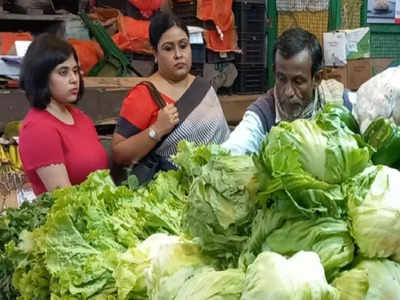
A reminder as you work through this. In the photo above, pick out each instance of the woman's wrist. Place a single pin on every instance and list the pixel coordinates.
(154, 134)
(159, 129)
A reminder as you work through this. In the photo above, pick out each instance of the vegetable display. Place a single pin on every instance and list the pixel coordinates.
(310, 217)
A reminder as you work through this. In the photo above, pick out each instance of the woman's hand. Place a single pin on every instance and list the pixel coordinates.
(167, 118)
(134, 148)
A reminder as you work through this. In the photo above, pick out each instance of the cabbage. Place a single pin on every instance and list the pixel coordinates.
(302, 164)
(221, 204)
(335, 115)
(301, 277)
(370, 280)
(226, 285)
(173, 261)
(326, 236)
(374, 211)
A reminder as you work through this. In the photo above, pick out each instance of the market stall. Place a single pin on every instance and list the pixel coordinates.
(310, 217)
(314, 214)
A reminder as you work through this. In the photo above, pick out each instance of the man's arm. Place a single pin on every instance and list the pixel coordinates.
(247, 136)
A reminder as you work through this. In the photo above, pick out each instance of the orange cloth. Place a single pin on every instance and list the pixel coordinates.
(7, 40)
(133, 35)
(147, 7)
(89, 53)
(108, 17)
(214, 42)
(104, 15)
(220, 12)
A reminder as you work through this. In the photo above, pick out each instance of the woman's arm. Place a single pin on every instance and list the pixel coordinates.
(128, 150)
(132, 149)
(54, 176)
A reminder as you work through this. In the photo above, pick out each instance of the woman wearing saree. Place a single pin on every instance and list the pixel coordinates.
(193, 111)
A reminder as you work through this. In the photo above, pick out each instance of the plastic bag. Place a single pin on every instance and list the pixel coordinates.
(379, 97)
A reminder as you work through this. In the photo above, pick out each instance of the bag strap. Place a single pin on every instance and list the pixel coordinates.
(155, 94)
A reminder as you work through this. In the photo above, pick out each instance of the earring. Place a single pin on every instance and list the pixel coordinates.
(155, 59)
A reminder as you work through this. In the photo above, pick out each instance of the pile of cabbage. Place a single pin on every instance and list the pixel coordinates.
(309, 217)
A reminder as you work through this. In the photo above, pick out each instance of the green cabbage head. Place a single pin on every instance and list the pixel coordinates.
(374, 210)
(371, 279)
(300, 277)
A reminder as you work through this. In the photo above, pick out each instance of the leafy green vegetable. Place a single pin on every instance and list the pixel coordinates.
(161, 202)
(88, 246)
(227, 285)
(334, 113)
(221, 204)
(265, 222)
(302, 166)
(374, 210)
(326, 236)
(191, 157)
(301, 277)
(68, 254)
(370, 279)
(384, 136)
(28, 217)
(174, 260)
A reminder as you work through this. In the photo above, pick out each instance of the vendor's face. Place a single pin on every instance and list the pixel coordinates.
(294, 83)
(174, 54)
(64, 81)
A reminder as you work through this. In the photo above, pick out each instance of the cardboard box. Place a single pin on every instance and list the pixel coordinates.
(357, 71)
(337, 73)
(380, 64)
(235, 106)
(340, 46)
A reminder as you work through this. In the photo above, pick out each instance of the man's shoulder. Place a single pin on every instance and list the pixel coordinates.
(264, 108)
(266, 98)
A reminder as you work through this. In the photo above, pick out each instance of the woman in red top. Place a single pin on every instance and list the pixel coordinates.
(59, 145)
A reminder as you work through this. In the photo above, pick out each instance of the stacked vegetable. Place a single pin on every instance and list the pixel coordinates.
(28, 217)
(309, 217)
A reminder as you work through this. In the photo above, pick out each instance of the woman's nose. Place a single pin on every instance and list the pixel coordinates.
(73, 77)
(178, 52)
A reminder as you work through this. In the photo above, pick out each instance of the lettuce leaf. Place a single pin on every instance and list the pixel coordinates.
(370, 279)
(302, 165)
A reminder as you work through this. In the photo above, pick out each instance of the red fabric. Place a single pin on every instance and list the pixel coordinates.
(7, 40)
(89, 53)
(44, 140)
(133, 35)
(147, 7)
(140, 109)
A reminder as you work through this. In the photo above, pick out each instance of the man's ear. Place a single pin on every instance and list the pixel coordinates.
(317, 78)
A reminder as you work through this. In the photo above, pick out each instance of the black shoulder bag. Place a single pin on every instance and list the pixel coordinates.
(149, 165)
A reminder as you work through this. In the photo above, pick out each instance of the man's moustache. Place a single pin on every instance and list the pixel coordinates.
(295, 101)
